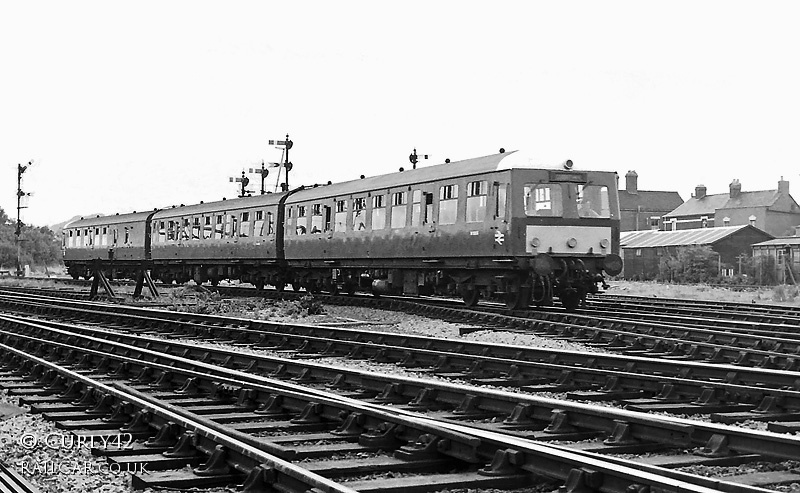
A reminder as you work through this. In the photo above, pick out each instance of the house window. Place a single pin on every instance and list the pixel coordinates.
(752, 220)
(654, 223)
(704, 221)
(726, 221)
(638, 252)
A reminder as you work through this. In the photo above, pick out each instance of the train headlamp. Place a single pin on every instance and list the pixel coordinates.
(567, 164)
(572, 242)
(604, 243)
(535, 242)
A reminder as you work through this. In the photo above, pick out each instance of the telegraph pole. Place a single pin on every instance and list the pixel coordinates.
(18, 232)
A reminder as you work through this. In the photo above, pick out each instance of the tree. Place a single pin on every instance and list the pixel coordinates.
(39, 245)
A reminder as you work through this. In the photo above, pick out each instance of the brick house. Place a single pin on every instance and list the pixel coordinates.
(773, 211)
(643, 210)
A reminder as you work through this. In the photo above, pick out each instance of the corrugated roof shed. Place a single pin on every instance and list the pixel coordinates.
(685, 237)
(791, 240)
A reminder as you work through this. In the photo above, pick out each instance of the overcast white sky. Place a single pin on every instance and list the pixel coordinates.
(131, 106)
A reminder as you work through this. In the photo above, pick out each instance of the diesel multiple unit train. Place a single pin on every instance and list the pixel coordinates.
(493, 227)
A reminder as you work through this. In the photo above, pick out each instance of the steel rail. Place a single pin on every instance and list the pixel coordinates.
(652, 339)
(508, 451)
(495, 358)
(669, 430)
(271, 462)
(616, 374)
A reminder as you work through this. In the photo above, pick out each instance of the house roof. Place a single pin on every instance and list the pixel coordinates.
(791, 240)
(710, 203)
(684, 237)
(649, 200)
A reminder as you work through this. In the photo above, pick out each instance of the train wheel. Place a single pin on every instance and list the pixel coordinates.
(296, 285)
(259, 284)
(570, 300)
(280, 287)
(518, 296)
(470, 295)
(542, 291)
(350, 288)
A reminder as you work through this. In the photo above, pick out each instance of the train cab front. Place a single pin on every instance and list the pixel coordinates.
(571, 233)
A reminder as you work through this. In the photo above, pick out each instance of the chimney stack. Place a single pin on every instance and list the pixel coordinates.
(783, 187)
(736, 188)
(631, 179)
(699, 191)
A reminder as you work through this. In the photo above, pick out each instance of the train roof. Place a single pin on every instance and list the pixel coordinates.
(87, 222)
(265, 200)
(455, 169)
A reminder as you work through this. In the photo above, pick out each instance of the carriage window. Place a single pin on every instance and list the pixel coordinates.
(219, 227)
(359, 216)
(476, 201)
(448, 204)
(170, 230)
(245, 225)
(208, 228)
(196, 228)
(258, 226)
(340, 217)
(104, 237)
(127, 236)
(378, 212)
(416, 217)
(301, 211)
(316, 219)
(592, 200)
(399, 210)
(187, 229)
(270, 224)
(231, 226)
(543, 200)
(115, 236)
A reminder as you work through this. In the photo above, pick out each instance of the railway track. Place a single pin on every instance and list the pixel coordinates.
(221, 419)
(732, 393)
(525, 418)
